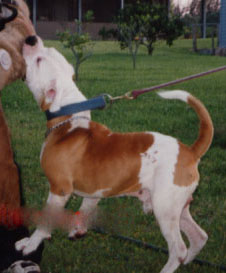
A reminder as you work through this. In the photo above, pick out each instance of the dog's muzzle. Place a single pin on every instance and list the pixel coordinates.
(31, 40)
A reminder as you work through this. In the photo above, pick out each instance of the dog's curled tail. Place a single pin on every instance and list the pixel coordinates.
(205, 137)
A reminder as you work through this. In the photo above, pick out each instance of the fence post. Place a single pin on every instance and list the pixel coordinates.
(212, 41)
(218, 35)
(223, 24)
(194, 37)
(79, 16)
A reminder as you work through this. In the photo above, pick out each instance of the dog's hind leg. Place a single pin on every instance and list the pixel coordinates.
(168, 214)
(197, 237)
(84, 217)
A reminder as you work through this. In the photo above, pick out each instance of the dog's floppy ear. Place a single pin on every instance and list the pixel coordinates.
(53, 96)
(50, 95)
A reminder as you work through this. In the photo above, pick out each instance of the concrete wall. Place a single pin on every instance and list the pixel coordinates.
(48, 29)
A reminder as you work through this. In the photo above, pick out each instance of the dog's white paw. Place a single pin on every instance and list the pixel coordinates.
(20, 245)
(29, 245)
(23, 267)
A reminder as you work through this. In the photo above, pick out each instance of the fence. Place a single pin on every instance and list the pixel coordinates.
(212, 32)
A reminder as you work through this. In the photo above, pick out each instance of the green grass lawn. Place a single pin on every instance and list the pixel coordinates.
(110, 71)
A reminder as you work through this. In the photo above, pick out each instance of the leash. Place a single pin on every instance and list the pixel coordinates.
(11, 5)
(159, 249)
(102, 101)
(135, 93)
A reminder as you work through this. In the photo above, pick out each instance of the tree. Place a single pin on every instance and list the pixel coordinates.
(161, 26)
(80, 44)
(145, 23)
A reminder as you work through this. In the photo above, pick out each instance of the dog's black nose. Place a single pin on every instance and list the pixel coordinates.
(31, 40)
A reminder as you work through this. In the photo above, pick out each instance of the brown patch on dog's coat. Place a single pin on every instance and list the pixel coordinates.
(186, 169)
(88, 160)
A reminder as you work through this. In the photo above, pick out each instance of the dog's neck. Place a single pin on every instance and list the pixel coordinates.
(71, 96)
(67, 98)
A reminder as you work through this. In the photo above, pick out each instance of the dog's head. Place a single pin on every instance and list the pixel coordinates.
(48, 75)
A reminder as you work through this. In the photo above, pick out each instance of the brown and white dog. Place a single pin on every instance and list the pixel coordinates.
(86, 158)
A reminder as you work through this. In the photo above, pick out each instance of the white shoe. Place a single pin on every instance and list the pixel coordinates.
(23, 267)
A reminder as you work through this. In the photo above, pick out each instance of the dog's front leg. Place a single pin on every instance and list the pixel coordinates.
(84, 217)
(43, 231)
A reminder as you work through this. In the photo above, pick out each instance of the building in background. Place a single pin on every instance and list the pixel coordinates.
(52, 15)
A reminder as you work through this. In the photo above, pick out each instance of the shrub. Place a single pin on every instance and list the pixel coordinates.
(104, 33)
(81, 46)
(145, 23)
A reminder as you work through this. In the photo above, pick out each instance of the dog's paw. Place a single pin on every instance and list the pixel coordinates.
(20, 245)
(29, 245)
(23, 267)
(77, 234)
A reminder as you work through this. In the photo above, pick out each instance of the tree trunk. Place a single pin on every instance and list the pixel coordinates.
(150, 48)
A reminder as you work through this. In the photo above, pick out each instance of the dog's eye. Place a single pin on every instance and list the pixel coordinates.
(38, 60)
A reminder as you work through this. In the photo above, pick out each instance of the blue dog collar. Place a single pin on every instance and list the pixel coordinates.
(91, 104)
